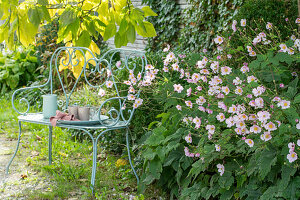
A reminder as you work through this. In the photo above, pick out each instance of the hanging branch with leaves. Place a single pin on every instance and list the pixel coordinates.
(79, 20)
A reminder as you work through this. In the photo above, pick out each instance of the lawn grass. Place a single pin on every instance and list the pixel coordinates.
(70, 172)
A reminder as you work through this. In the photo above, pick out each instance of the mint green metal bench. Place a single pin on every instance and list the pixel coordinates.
(119, 118)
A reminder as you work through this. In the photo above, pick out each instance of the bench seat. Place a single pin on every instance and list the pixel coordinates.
(37, 118)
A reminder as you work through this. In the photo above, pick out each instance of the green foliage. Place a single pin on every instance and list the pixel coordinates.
(259, 172)
(17, 68)
(78, 20)
(276, 68)
(203, 20)
(166, 23)
(275, 11)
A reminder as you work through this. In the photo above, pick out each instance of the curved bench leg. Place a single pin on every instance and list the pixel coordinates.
(50, 145)
(19, 138)
(94, 164)
(94, 140)
(129, 157)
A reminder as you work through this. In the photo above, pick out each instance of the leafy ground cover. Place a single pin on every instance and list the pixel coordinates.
(69, 176)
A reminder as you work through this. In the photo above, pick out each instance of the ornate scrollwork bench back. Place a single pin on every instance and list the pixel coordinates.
(108, 69)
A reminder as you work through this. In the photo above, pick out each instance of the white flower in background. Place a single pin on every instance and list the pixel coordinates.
(232, 109)
(118, 64)
(167, 48)
(237, 81)
(283, 48)
(108, 72)
(233, 26)
(101, 92)
(148, 67)
(249, 142)
(138, 101)
(210, 128)
(270, 126)
(290, 51)
(238, 90)
(291, 146)
(131, 90)
(263, 116)
(218, 40)
(243, 22)
(131, 97)
(252, 53)
(255, 129)
(259, 102)
(249, 48)
(179, 107)
(269, 26)
(109, 84)
(178, 88)
(251, 78)
(284, 104)
(221, 169)
(127, 82)
(225, 70)
(298, 126)
(293, 37)
(266, 136)
(292, 156)
(218, 147)
(188, 138)
(221, 117)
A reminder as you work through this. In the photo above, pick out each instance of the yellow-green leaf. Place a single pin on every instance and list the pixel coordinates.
(34, 16)
(150, 31)
(118, 40)
(131, 35)
(84, 39)
(123, 26)
(148, 11)
(67, 17)
(43, 2)
(119, 4)
(110, 31)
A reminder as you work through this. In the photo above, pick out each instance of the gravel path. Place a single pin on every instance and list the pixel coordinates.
(13, 186)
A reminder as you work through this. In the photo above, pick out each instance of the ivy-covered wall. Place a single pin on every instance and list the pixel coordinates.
(167, 23)
(203, 19)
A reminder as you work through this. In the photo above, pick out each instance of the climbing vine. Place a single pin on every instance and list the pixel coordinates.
(166, 23)
(203, 19)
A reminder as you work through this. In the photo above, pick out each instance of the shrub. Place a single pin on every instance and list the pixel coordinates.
(276, 11)
(17, 68)
(230, 126)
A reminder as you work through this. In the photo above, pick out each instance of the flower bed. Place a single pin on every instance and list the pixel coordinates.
(230, 126)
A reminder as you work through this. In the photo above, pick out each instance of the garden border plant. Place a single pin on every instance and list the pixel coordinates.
(230, 126)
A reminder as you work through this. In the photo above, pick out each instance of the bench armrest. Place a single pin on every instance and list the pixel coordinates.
(116, 116)
(24, 99)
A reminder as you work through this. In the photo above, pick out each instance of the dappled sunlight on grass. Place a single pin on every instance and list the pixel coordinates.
(71, 168)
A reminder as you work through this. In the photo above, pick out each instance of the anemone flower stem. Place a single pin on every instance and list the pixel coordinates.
(273, 80)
